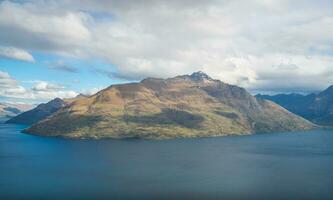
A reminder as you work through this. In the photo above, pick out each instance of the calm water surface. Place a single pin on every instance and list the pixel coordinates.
(272, 166)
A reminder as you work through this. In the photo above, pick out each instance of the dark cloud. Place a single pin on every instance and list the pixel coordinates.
(114, 75)
(293, 81)
(61, 66)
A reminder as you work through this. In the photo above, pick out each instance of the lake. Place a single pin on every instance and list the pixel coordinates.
(266, 166)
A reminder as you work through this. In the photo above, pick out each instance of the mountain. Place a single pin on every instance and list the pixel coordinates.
(317, 108)
(11, 109)
(42, 111)
(184, 106)
(295, 103)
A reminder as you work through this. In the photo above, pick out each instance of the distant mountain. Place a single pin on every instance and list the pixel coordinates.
(11, 109)
(42, 111)
(317, 108)
(184, 106)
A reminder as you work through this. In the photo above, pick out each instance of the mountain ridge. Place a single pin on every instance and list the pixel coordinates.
(317, 108)
(12, 109)
(42, 111)
(183, 106)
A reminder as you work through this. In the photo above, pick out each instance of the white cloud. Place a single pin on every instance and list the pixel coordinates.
(241, 42)
(30, 26)
(41, 91)
(9, 87)
(45, 86)
(17, 54)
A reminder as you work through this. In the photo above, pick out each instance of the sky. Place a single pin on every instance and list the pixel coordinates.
(60, 48)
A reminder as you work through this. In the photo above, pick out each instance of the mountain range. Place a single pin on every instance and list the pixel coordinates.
(317, 108)
(11, 109)
(42, 111)
(183, 106)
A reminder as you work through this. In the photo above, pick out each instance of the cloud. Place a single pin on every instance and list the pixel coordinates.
(45, 86)
(30, 26)
(256, 44)
(62, 66)
(41, 90)
(112, 74)
(17, 54)
(10, 87)
(294, 74)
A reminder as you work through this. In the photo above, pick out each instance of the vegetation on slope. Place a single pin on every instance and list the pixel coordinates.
(184, 106)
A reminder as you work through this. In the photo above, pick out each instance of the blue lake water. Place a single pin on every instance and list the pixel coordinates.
(268, 166)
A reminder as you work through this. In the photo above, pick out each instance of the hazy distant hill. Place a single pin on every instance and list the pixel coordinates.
(11, 109)
(42, 111)
(184, 106)
(315, 107)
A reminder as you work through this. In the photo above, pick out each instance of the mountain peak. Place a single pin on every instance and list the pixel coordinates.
(330, 88)
(56, 100)
(42, 111)
(81, 95)
(192, 105)
(199, 75)
(328, 91)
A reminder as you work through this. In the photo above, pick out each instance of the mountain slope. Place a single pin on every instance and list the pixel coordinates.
(322, 107)
(42, 111)
(184, 106)
(317, 108)
(11, 110)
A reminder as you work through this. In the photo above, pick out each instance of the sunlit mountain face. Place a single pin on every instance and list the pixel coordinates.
(184, 106)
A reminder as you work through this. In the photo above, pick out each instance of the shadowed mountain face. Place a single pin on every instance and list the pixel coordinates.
(184, 106)
(10, 110)
(42, 111)
(317, 108)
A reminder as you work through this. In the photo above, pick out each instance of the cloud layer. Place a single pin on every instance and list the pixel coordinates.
(264, 45)
(16, 54)
(62, 66)
(41, 90)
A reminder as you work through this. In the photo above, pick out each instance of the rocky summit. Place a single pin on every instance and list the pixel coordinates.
(184, 106)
